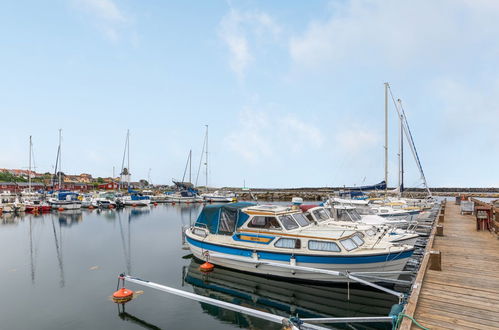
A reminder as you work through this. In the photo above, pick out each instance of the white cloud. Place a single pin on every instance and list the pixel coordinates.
(238, 30)
(261, 135)
(107, 16)
(357, 139)
(399, 33)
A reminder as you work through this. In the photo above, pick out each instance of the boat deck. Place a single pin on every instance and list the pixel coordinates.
(465, 293)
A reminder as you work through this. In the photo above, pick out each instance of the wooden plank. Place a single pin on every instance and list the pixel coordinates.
(465, 293)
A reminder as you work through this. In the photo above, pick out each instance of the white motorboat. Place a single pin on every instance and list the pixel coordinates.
(135, 199)
(184, 197)
(65, 200)
(266, 239)
(348, 217)
(220, 197)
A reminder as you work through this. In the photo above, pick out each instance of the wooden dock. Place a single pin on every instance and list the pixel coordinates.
(464, 294)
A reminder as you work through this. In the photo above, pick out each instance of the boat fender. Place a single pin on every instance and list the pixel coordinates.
(395, 311)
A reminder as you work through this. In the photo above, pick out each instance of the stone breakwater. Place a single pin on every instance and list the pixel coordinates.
(309, 194)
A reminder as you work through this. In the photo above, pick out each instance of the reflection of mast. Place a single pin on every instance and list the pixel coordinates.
(126, 250)
(32, 262)
(58, 248)
(133, 319)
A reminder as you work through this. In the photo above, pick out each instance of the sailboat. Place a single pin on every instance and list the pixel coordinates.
(31, 200)
(134, 198)
(218, 196)
(185, 191)
(62, 200)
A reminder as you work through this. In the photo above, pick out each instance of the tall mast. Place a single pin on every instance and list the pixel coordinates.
(60, 157)
(29, 166)
(128, 161)
(206, 186)
(190, 165)
(401, 151)
(386, 137)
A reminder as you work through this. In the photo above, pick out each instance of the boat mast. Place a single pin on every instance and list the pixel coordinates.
(60, 157)
(29, 166)
(386, 137)
(128, 153)
(206, 186)
(401, 151)
(190, 165)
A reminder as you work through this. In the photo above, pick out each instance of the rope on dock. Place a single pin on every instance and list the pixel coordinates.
(402, 315)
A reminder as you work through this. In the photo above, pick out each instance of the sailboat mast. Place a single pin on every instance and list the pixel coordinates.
(386, 137)
(190, 165)
(60, 158)
(206, 186)
(29, 166)
(128, 155)
(401, 151)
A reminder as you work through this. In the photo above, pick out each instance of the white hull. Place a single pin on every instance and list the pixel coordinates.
(66, 205)
(396, 265)
(144, 202)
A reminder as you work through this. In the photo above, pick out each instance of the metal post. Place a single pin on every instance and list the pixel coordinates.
(386, 137)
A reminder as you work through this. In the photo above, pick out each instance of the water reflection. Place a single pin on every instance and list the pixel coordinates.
(70, 217)
(133, 319)
(58, 248)
(283, 298)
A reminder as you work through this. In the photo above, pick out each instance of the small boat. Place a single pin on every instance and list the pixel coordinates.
(66, 200)
(104, 200)
(265, 239)
(342, 216)
(136, 199)
(36, 206)
(220, 197)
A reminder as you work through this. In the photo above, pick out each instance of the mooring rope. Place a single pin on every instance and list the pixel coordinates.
(401, 316)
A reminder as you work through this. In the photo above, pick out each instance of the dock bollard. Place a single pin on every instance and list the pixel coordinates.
(435, 260)
(440, 230)
(441, 218)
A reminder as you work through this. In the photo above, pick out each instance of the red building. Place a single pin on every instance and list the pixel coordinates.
(109, 186)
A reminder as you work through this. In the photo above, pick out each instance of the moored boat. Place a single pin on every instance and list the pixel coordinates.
(265, 239)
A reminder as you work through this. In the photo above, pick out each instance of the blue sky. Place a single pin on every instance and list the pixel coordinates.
(292, 91)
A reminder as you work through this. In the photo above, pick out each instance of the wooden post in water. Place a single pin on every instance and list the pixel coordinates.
(435, 260)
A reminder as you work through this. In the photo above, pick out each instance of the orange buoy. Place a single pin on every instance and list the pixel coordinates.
(111, 206)
(134, 205)
(60, 209)
(122, 296)
(173, 203)
(91, 207)
(155, 204)
(206, 267)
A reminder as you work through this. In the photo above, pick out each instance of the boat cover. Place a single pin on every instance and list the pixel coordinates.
(379, 186)
(223, 218)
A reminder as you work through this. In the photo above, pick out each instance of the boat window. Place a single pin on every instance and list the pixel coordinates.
(309, 217)
(343, 215)
(348, 244)
(355, 215)
(330, 211)
(265, 223)
(370, 232)
(227, 222)
(301, 219)
(384, 211)
(288, 222)
(357, 239)
(323, 246)
(288, 243)
(321, 215)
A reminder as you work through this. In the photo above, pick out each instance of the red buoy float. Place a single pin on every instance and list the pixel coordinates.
(60, 209)
(122, 296)
(134, 205)
(155, 204)
(206, 267)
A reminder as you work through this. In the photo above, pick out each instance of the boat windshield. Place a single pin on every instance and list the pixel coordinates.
(288, 222)
(301, 219)
(348, 215)
(321, 214)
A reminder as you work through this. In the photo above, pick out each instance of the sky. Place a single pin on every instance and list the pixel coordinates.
(292, 91)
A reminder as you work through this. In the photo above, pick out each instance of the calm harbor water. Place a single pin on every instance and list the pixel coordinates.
(58, 270)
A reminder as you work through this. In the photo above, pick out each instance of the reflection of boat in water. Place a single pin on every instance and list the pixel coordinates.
(70, 217)
(284, 298)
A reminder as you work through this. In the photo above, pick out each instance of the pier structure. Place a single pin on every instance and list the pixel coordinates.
(457, 285)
